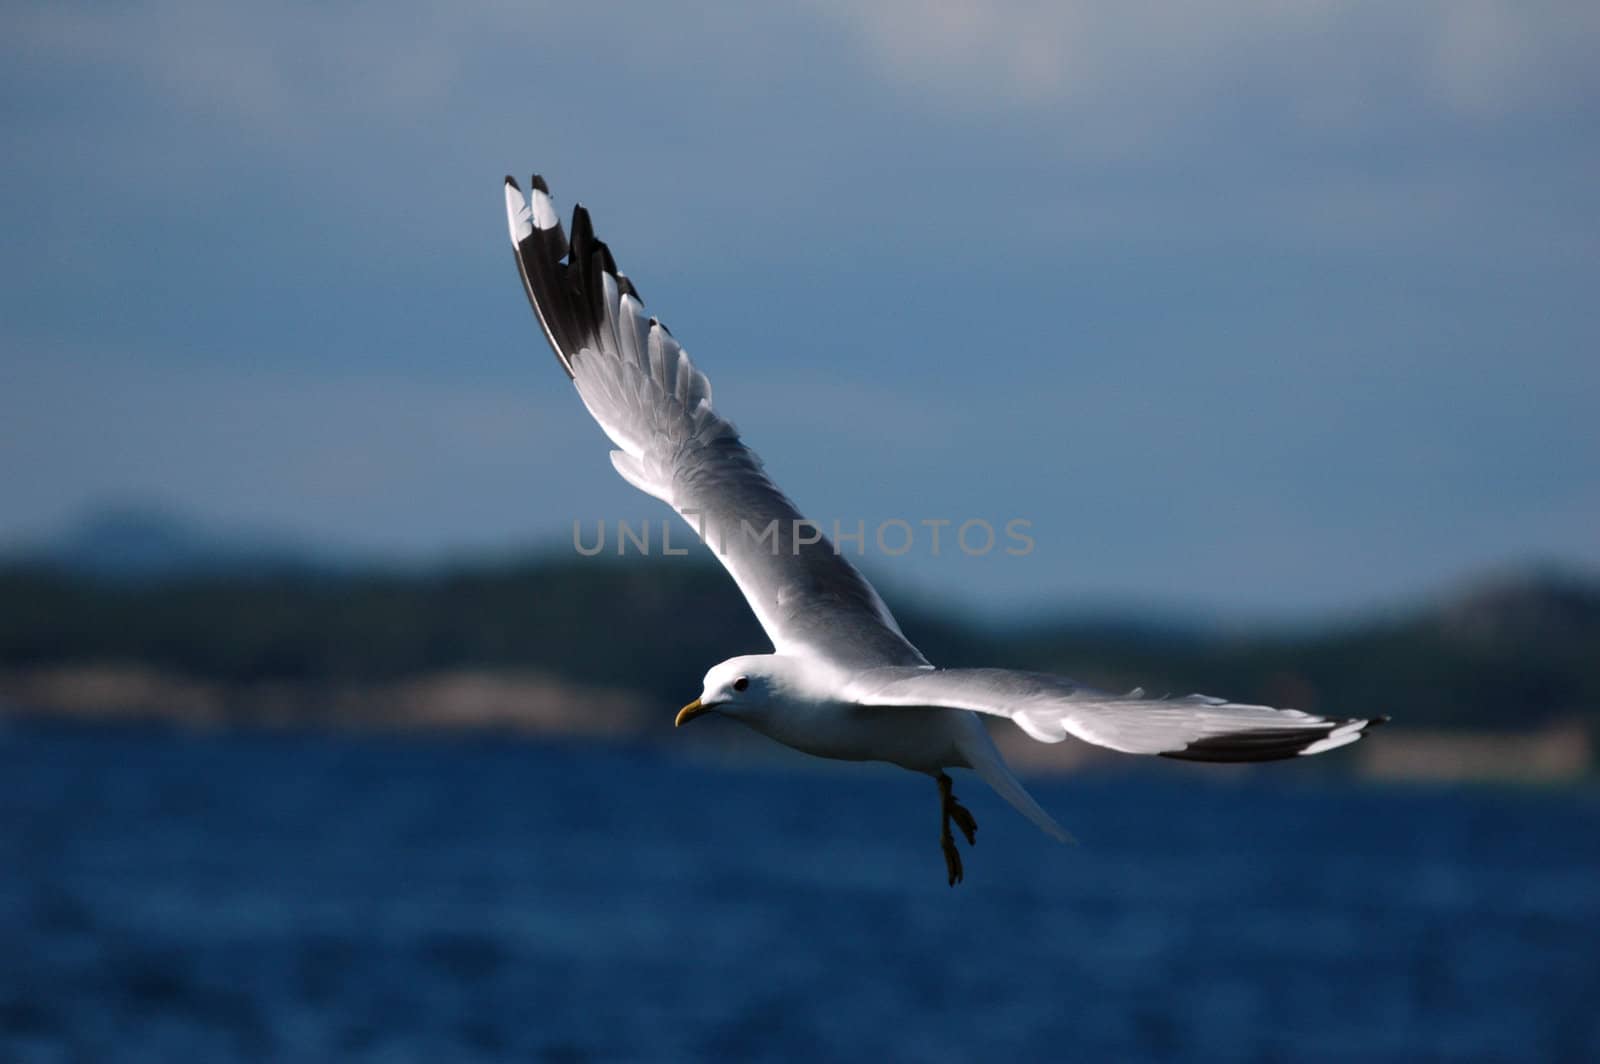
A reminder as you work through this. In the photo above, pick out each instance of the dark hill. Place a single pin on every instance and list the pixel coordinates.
(1510, 653)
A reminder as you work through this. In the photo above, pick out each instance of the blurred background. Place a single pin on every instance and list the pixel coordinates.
(319, 740)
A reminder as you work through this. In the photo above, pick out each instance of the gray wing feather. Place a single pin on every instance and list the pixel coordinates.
(1049, 708)
(638, 383)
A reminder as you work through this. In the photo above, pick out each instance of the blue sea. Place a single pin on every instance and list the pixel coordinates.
(240, 897)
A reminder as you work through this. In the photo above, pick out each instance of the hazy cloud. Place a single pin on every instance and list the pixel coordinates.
(1146, 66)
(1137, 66)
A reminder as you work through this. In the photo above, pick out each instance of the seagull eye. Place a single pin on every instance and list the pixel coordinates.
(741, 683)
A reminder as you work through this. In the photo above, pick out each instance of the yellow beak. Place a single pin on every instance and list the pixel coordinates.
(689, 712)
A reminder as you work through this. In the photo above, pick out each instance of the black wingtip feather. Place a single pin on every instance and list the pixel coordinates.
(582, 233)
(591, 268)
(565, 282)
(1269, 744)
(513, 182)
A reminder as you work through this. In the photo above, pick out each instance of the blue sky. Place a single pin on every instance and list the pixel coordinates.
(1256, 308)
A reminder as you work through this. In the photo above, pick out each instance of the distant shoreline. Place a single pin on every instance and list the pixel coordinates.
(532, 703)
(455, 700)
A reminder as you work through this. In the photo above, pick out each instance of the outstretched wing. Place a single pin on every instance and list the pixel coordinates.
(1049, 708)
(656, 407)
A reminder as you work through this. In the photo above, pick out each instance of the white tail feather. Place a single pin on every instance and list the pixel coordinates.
(986, 761)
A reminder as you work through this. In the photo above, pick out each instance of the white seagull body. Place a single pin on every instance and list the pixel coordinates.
(843, 681)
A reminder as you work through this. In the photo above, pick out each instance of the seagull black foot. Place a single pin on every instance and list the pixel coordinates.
(950, 809)
(952, 856)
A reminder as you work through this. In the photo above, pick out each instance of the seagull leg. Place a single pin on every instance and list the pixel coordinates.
(950, 809)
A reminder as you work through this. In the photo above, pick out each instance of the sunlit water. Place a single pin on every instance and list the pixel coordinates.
(178, 898)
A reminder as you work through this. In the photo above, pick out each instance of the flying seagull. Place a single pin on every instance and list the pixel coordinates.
(842, 681)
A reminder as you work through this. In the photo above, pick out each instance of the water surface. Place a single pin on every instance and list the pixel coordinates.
(170, 897)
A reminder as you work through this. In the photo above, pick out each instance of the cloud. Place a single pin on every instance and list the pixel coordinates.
(1115, 72)
(1305, 123)
(274, 67)
(1490, 58)
(1126, 72)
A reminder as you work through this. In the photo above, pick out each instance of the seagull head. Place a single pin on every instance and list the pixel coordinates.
(739, 687)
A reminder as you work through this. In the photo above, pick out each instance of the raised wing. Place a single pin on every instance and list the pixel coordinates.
(655, 406)
(1049, 708)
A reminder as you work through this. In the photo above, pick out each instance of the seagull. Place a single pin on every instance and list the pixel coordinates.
(842, 680)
